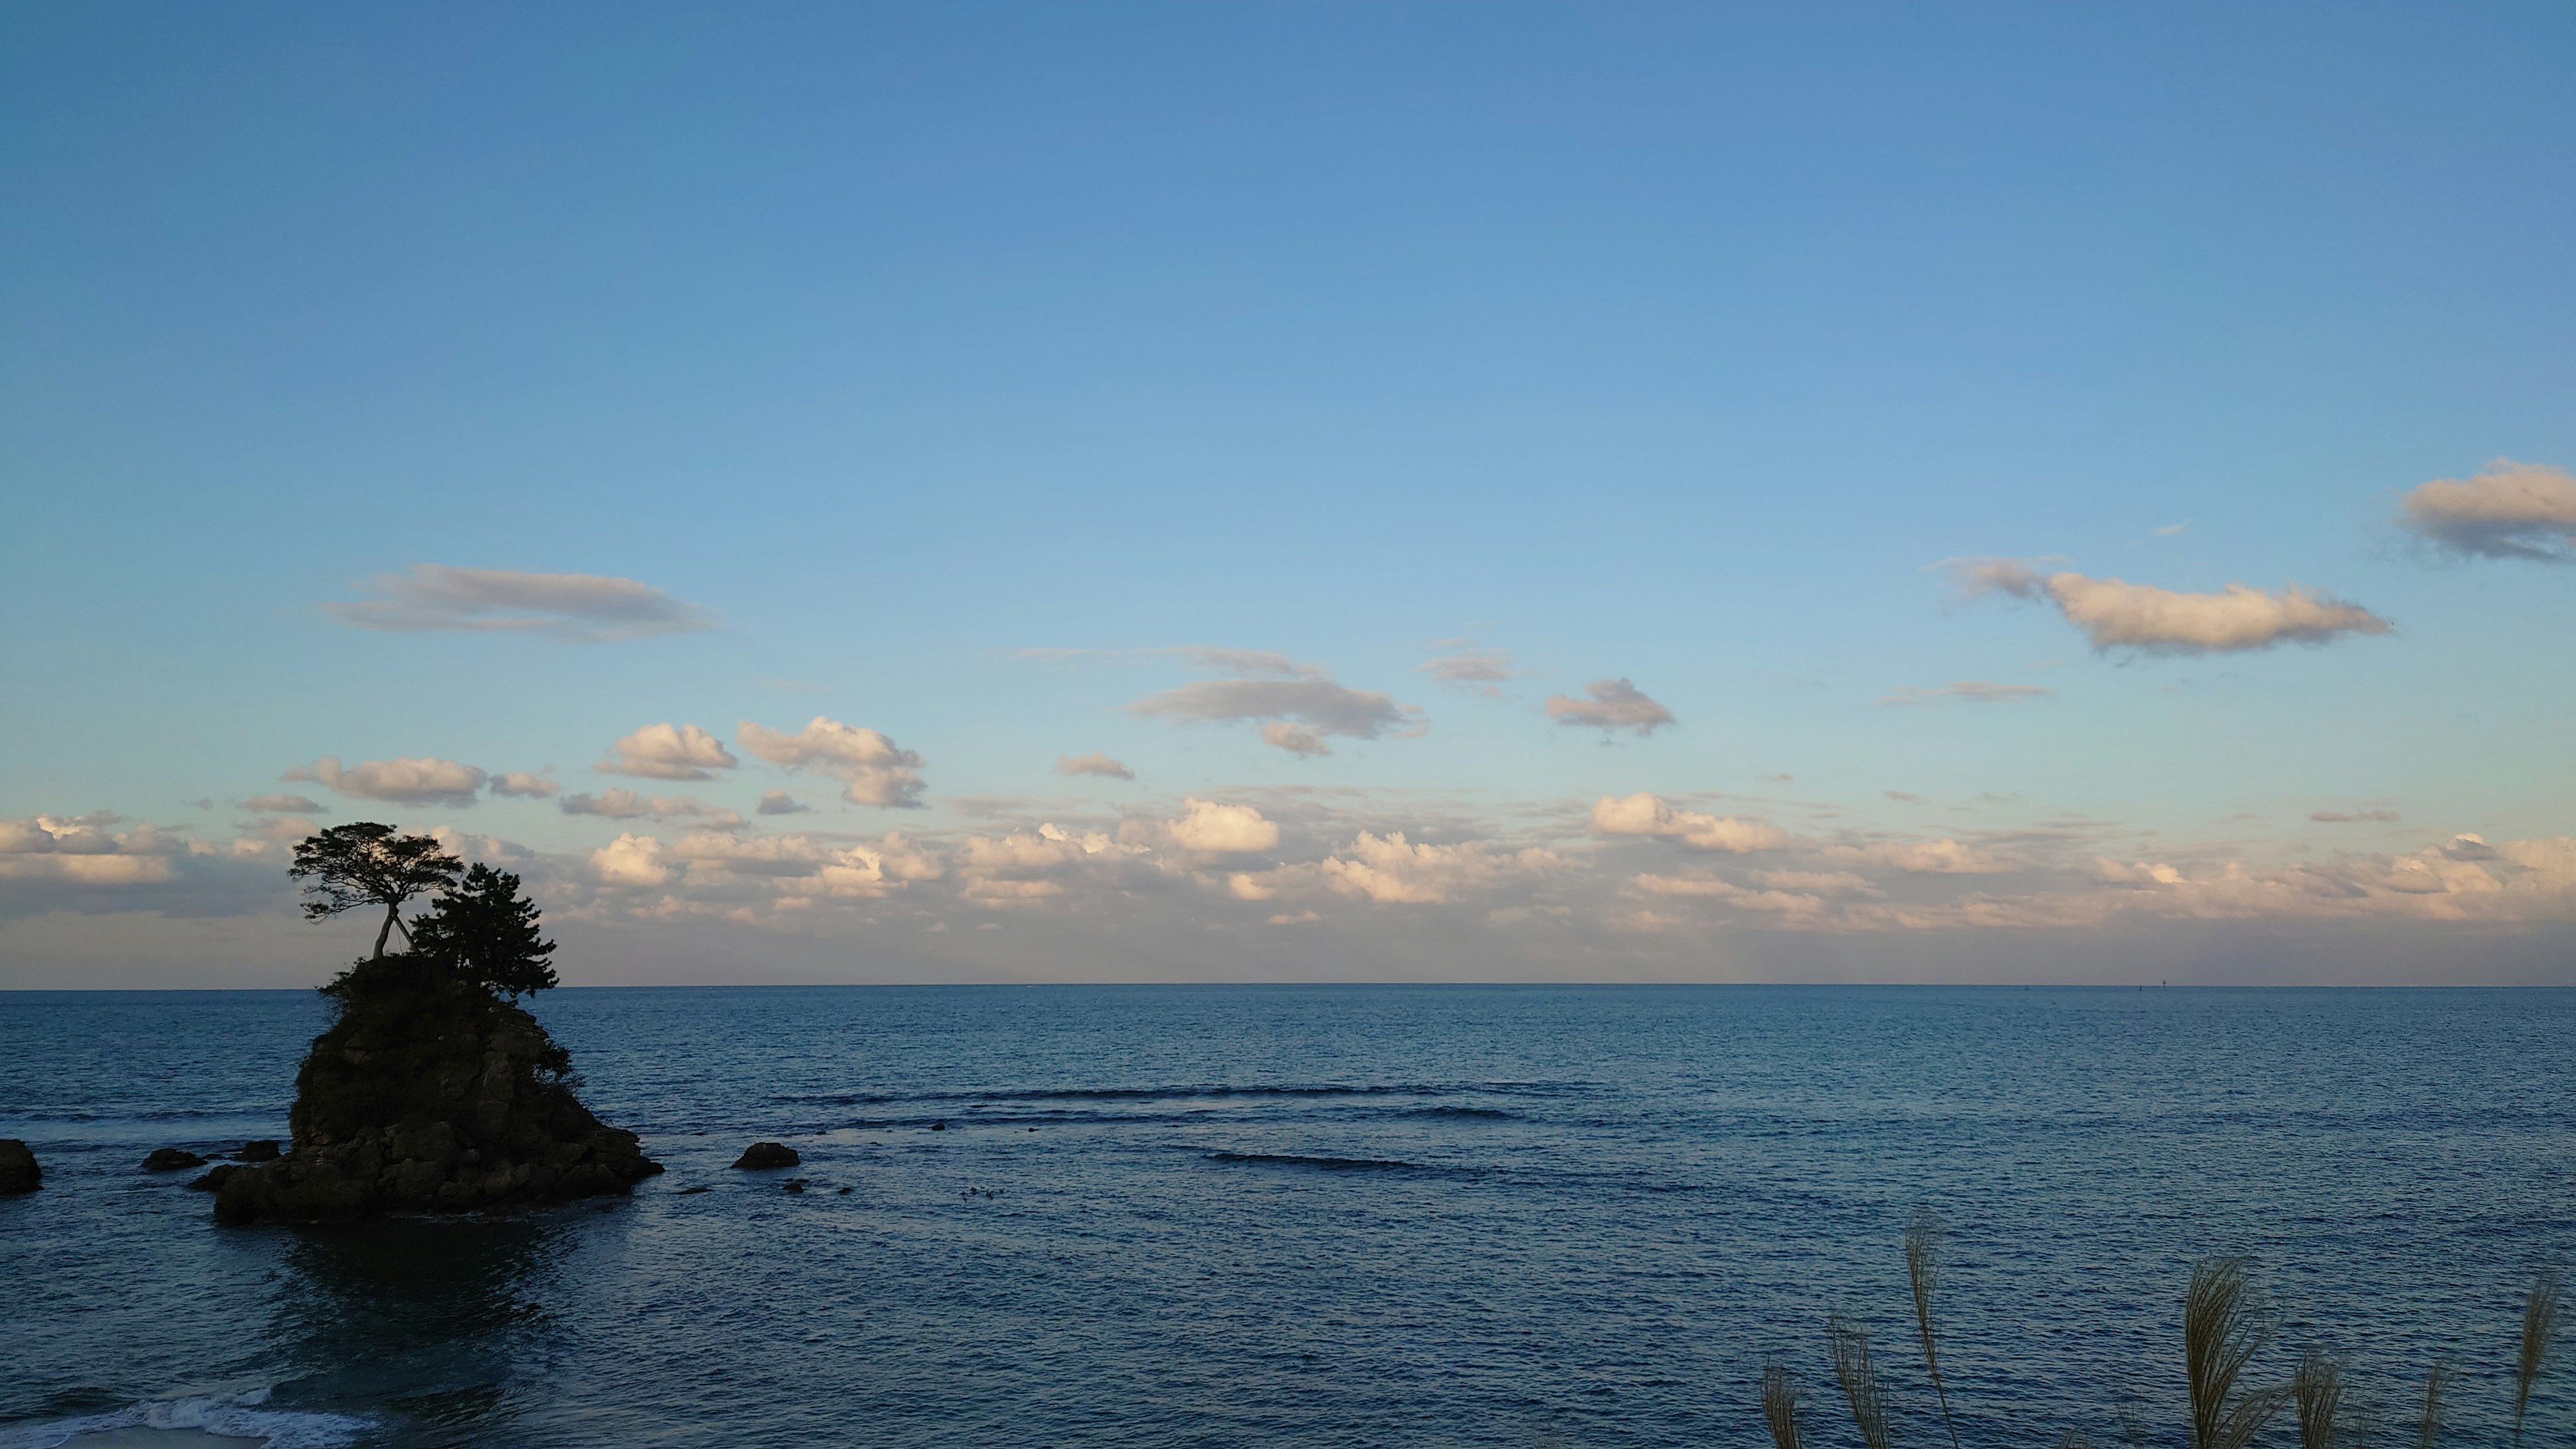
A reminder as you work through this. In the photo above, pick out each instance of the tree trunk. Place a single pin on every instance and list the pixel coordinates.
(387, 929)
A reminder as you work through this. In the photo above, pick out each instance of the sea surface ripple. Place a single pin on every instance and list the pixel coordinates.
(1315, 1216)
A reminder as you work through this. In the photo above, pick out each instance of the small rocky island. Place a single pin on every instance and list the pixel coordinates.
(432, 1091)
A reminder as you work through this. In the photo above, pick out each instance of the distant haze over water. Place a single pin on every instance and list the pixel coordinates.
(1311, 1216)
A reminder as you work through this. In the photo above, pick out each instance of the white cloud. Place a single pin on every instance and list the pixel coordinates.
(84, 851)
(1098, 763)
(2115, 614)
(630, 861)
(779, 802)
(422, 781)
(1389, 870)
(1786, 903)
(668, 752)
(623, 804)
(1206, 827)
(1927, 857)
(1645, 814)
(1614, 704)
(1482, 670)
(1295, 739)
(798, 869)
(1026, 867)
(282, 804)
(523, 785)
(584, 607)
(871, 768)
(1816, 882)
(2509, 510)
(1966, 691)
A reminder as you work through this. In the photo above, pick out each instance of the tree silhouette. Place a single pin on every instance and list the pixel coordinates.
(348, 867)
(485, 932)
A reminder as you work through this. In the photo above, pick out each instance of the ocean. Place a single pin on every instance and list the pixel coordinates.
(1317, 1215)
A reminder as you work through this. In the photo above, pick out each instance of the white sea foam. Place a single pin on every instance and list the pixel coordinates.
(236, 1413)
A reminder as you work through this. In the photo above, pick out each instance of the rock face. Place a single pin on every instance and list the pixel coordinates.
(18, 1169)
(761, 1156)
(258, 1149)
(429, 1095)
(171, 1159)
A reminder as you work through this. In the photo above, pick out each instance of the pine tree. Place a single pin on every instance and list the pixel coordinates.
(484, 932)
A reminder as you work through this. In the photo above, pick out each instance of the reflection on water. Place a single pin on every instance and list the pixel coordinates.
(430, 1319)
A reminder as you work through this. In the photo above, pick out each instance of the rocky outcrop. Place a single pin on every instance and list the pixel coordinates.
(18, 1169)
(429, 1094)
(762, 1156)
(258, 1149)
(171, 1159)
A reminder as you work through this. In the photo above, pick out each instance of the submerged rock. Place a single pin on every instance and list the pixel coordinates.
(430, 1094)
(213, 1181)
(761, 1156)
(18, 1169)
(171, 1159)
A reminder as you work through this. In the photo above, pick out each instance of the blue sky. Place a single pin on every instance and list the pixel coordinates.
(1665, 343)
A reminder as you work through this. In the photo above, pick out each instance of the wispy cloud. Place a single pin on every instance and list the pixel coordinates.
(872, 769)
(585, 608)
(1098, 762)
(2116, 614)
(1300, 703)
(1965, 691)
(420, 781)
(2509, 510)
(2351, 817)
(1610, 705)
(624, 804)
(1483, 670)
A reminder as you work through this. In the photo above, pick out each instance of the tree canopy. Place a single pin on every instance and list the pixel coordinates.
(484, 932)
(351, 867)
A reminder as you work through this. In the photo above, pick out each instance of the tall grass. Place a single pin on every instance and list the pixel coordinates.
(2225, 1327)
(1923, 1273)
(2539, 1321)
(2318, 1390)
(2428, 1425)
(1780, 1407)
(1859, 1379)
(2222, 1329)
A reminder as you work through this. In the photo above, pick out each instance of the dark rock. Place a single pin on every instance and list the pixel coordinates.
(18, 1169)
(213, 1181)
(844, 1192)
(171, 1159)
(761, 1156)
(795, 1185)
(694, 1191)
(430, 1094)
(261, 1149)
(938, 1126)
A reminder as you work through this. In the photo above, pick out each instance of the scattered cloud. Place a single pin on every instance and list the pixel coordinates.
(2115, 614)
(2170, 530)
(1391, 870)
(422, 781)
(1097, 762)
(871, 768)
(1207, 827)
(622, 804)
(1483, 670)
(1646, 814)
(1295, 739)
(1817, 882)
(524, 785)
(778, 802)
(1927, 857)
(84, 851)
(1303, 701)
(2350, 817)
(282, 805)
(1965, 691)
(2509, 510)
(668, 752)
(1612, 705)
(587, 608)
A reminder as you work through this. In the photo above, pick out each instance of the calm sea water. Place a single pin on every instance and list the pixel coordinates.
(1313, 1215)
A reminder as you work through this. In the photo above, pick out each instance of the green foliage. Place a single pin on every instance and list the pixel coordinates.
(485, 933)
(364, 864)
